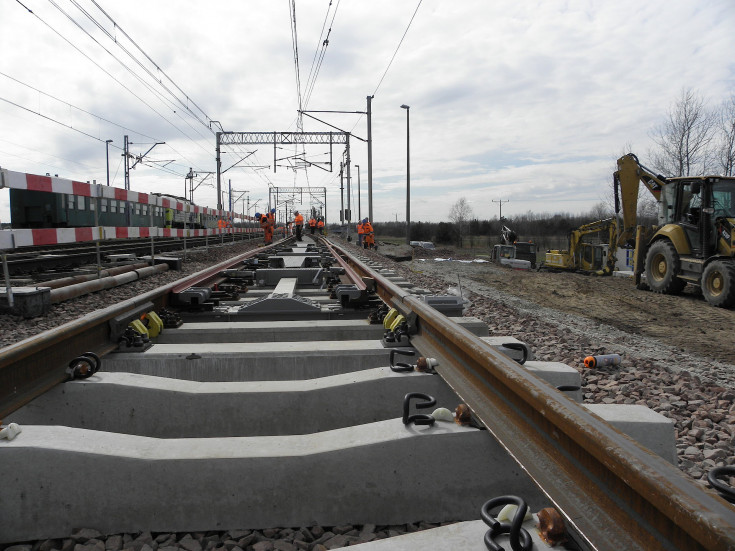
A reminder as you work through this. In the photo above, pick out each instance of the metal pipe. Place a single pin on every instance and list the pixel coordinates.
(72, 280)
(8, 286)
(72, 291)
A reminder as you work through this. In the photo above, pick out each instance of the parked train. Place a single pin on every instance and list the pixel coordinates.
(40, 209)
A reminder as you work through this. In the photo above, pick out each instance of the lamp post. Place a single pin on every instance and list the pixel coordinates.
(408, 176)
(359, 215)
(107, 155)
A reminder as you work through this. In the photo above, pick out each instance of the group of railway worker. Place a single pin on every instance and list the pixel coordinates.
(315, 224)
(365, 234)
(268, 222)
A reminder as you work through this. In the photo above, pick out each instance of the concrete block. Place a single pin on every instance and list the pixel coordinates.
(382, 473)
(497, 343)
(152, 406)
(290, 331)
(28, 302)
(557, 374)
(270, 276)
(464, 536)
(645, 426)
(174, 263)
(256, 361)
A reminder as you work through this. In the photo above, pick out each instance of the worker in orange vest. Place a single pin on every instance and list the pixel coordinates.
(298, 222)
(320, 225)
(360, 233)
(266, 225)
(312, 224)
(271, 223)
(369, 234)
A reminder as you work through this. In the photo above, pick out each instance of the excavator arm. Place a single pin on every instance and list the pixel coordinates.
(626, 181)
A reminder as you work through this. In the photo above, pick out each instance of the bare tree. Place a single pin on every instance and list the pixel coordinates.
(725, 151)
(600, 211)
(460, 214)
(684, 138)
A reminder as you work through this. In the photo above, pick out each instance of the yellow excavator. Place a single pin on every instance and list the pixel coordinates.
(581, 256)
(693, 241)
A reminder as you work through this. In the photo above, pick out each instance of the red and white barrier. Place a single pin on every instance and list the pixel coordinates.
(50, 184)
(12, 239)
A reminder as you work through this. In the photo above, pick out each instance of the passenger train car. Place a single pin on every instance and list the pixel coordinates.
(40, 209)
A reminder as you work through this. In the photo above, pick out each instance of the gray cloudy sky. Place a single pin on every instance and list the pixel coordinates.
(515, 100)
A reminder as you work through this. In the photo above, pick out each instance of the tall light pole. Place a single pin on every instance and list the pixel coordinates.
(370, 156)
(107, 156)
(359, 215)
(408, 176)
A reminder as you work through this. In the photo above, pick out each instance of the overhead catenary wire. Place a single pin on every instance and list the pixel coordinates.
(50, 27)
(77, 108)
(147, 85)
(164, 169)
(320, 51)
(398, 47)
(295, 48)
(158, 68)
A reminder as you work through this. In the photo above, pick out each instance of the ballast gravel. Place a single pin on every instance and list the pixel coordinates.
(312, 538)
(696, 394)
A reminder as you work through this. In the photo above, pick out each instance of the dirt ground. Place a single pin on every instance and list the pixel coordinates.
(685, 321)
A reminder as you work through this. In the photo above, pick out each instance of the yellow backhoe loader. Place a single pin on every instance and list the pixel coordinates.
(693, 241)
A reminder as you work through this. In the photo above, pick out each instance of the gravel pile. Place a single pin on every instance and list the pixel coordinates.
(314, 538)
(695, 393)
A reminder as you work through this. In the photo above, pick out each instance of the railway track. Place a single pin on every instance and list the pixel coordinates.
(45, 260)
(278, 407)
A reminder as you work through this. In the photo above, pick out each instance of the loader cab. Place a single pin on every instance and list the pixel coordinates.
(695, 205)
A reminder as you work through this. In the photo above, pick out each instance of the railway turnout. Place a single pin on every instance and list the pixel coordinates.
(289, 389)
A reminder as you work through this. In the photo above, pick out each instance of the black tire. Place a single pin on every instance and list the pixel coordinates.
(718, 283)
(662, 265)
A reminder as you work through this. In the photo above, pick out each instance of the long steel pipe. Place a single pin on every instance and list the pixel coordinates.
(73, 280)
(72, 291)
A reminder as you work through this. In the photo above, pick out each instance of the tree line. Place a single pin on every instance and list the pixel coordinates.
(547, 231)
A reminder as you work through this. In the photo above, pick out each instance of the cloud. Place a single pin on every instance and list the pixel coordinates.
(530, 102)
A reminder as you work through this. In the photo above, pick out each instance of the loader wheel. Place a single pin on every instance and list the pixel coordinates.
(718, 284)
(662, 265)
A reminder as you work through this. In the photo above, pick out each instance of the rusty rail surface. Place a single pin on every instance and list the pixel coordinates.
(614, 493)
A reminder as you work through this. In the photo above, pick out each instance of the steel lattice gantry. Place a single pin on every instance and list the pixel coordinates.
(313, 192)
(283, 138)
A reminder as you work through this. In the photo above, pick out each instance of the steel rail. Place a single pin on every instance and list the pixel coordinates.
(614, 493)
(32, 366)
(351, 274)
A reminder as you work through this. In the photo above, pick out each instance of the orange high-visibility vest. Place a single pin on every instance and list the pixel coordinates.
(320, 224)
(299, 220)
(360, 228)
